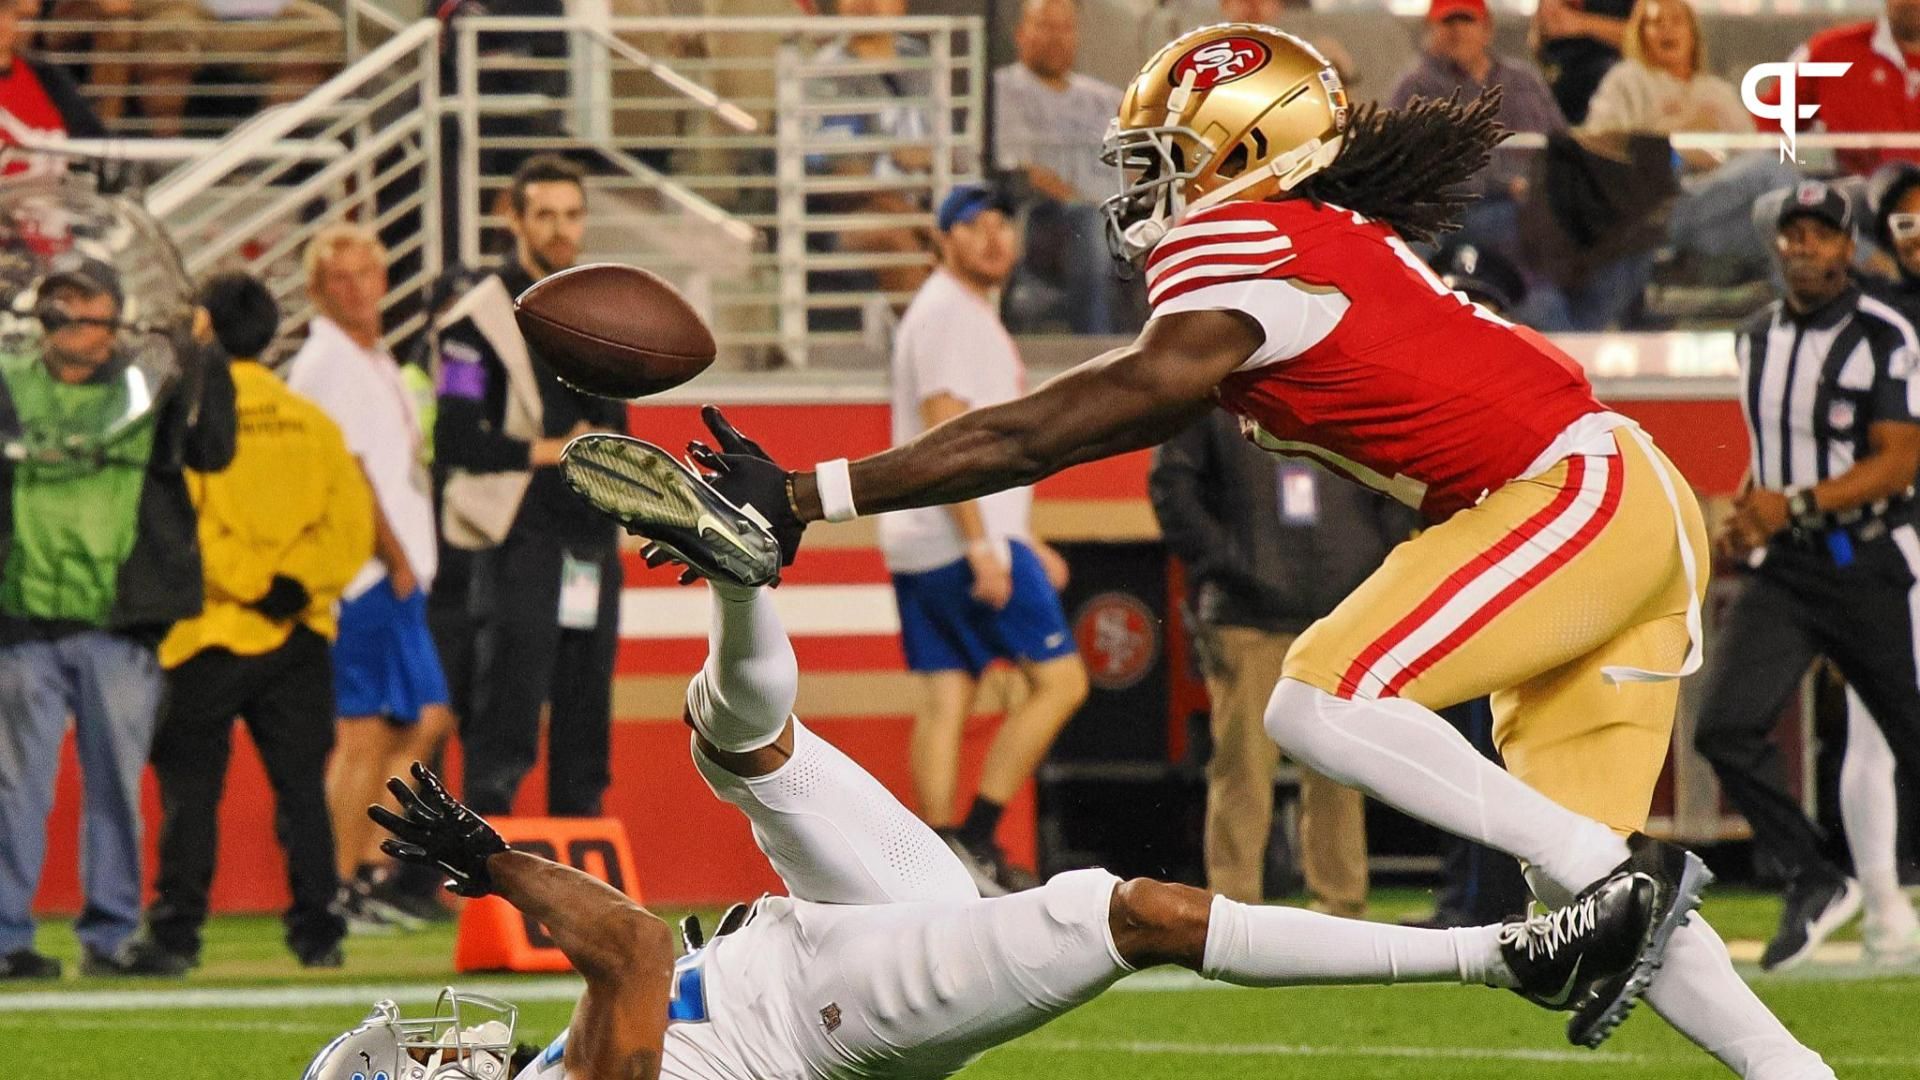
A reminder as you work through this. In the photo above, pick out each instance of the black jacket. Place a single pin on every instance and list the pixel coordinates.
(1218, 500)
(467, 433)
(160, 583)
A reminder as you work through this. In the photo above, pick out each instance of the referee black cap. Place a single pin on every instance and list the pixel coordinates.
(1816, 199)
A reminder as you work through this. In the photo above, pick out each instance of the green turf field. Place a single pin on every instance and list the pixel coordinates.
(249, 1013)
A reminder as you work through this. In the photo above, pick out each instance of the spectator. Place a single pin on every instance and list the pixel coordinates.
(1893, 208)
(545, 593)
(291, 45)
(1272, 13)
(39, 95)
(1459, 58)
(868, 115)
(388, 685)
(1270, 546)
(973, 584)
(1880, 92)
(1048, 123)
(1663, 86)
(283, 529)
(1577, 41)
(100, 559)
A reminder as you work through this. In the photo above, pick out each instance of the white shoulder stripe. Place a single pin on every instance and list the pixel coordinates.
(1210, 270)
(1270, 246)
(1893, 317)
(1246, 227)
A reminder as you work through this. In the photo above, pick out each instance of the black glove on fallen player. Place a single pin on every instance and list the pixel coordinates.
(748, 476)
(435, 830)
(284, 599)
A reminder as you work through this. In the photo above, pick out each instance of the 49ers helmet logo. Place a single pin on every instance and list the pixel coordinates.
(1221, 61)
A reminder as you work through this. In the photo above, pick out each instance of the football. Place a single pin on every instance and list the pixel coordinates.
(613, 330)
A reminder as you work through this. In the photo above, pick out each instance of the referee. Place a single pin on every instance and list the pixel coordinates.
(1824, 518)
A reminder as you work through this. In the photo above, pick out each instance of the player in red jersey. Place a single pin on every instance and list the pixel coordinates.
(1563, 568)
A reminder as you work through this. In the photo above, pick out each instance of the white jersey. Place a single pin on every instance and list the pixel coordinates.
(950, 341)
(907, 975)
(362, 391)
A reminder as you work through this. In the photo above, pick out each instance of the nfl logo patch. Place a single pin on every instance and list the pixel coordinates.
(830, 1017)
(1840, 415)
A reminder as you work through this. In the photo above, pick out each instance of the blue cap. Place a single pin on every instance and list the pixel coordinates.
(968, 201)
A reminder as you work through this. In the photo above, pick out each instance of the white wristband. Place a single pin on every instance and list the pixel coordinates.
(835, 485)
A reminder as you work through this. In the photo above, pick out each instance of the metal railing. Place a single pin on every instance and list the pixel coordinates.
(199, 77)
(249, 205)
(780, 182)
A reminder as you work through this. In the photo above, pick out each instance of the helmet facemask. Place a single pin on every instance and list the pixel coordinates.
(467, 1037)
(1155, 165)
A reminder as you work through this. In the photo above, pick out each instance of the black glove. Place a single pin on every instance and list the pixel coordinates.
(748, 476)
(438, 832)
(284, 599)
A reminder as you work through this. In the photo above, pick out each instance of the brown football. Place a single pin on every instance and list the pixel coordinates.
(614, 330)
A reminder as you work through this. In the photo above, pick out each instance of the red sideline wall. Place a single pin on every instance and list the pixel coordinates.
(690, 848)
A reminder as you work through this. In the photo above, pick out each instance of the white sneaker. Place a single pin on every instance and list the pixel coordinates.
(1892, 942)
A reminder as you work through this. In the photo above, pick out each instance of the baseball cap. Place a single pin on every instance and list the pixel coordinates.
(1816, 199)
(969, 201)
(86, 273)
(1482, 274)
(1442, 10)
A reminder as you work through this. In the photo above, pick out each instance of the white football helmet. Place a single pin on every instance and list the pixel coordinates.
(452, 1044)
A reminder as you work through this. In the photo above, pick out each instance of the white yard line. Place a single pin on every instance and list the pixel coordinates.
(1045, 1045)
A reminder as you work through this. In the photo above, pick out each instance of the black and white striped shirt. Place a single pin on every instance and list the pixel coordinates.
(1814, 383)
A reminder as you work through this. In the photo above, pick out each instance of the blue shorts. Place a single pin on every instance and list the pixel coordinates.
(384, 663)
(945, 629)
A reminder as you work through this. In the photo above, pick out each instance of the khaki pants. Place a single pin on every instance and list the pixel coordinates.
(1243, 665)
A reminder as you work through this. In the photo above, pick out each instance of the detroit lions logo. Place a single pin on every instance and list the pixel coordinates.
(1220, 62)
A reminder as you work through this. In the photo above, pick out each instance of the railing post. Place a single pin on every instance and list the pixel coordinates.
(431, 217)
(468, 45)
(943, 141)
(790, 171)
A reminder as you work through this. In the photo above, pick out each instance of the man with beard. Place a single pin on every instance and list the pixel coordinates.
(1824, 519)
(545, 585)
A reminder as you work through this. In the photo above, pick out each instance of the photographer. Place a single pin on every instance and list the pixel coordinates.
(100, 559)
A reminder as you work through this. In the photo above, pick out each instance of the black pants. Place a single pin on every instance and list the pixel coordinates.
(286, 698)
(524, 659)
(1797, 606)
(1479, 885)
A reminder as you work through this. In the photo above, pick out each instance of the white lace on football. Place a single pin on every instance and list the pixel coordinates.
(1553, 931)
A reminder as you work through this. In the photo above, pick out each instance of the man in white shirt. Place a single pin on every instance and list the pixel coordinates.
(389, 690)
(1048, 120)
(972, 583)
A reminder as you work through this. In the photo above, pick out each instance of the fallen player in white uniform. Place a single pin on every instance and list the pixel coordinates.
(883, 961)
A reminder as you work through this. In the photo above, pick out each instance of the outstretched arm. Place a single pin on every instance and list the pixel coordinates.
(1128, 399)
(624, 952)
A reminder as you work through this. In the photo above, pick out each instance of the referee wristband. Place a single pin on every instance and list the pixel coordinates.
(835, 484)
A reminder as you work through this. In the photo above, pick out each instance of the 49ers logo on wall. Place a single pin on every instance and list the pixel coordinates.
(1118, 638)
(1221, 61)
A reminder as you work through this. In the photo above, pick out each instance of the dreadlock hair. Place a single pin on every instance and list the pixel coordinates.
(1404, 166)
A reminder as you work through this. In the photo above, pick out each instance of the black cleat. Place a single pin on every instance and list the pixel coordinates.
(1679, 877)
(987, 865)
(1817, 905)
(1559, 956)
(652, 495)
(28, 964)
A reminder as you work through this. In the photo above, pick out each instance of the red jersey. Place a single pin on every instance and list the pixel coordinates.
(22, 94)
(1371, 367)
(1880, 92)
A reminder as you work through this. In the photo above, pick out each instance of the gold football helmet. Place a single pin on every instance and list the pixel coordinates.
(1236, 111)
